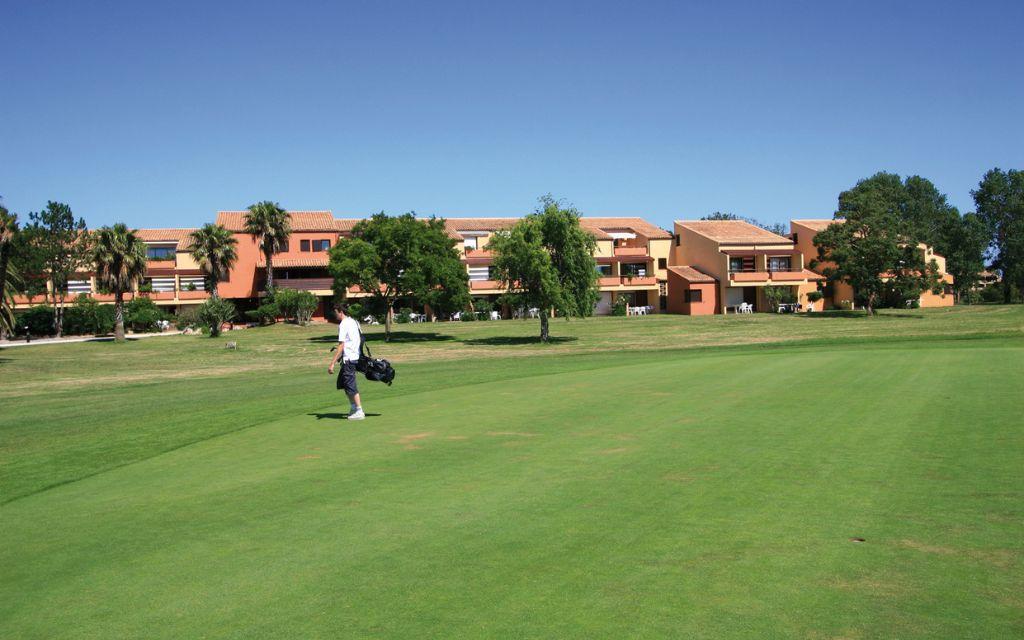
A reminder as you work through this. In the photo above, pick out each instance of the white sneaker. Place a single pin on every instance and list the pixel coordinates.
(357, 415)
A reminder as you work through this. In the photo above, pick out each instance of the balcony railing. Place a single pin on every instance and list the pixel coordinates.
(638, 252)
(306, 284)
(627, 281)
(765, 276)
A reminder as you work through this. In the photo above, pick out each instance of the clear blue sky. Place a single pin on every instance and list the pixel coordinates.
(161, 115)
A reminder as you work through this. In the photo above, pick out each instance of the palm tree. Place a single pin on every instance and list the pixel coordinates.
(119, 257)
(269, 224)
(213, 247)
(8, 228)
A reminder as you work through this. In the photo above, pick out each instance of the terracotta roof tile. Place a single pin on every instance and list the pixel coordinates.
(315, 260)
(733, 232)
(691, 274)
(818, 224)
(638, 226)
(179, 236)
(300, 220)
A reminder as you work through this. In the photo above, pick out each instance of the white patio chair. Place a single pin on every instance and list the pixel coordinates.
(495, 315)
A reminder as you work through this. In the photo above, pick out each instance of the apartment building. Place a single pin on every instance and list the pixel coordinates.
(631, 254)
(838, 294)
(172, 279)
(719, 266)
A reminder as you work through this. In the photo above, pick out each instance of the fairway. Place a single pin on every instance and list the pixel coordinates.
(872, 487)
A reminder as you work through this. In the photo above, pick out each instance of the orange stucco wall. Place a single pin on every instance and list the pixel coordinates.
(246, 277)
(677, 287)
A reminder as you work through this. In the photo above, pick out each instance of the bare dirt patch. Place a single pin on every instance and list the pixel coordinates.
(309, 457)
(515, 434)
(927, 548)
(408, 440)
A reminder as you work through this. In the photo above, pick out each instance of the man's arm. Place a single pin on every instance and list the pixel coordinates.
(334, 356)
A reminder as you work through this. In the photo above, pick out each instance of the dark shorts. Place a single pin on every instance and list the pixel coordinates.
(347, 378)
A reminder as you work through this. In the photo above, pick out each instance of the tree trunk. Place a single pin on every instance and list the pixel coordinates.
(119, 316)
(4, 259)
(58, 315)
(387, 321)
(869, 305)
(270, 270)
(544, 332)
(1007, 291)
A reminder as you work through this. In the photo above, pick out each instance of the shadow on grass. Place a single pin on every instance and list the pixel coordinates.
(856, 314)
(338, 416)
(396, 336)
(517, 340)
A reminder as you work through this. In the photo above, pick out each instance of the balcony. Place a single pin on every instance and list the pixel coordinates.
(627, 281)
(305, 284)
(630, 252)
(771, 276)
(484, 284)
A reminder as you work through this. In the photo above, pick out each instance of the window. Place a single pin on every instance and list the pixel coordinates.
(321, 245)
(677, 239)
(796, 237)
(779, 263)
(479, 273)
(470, 243)
(304, 245)
(604, 270)
(282, 247)
(741, 263)
(662, 263)
(633, 269)
(160, 253)
(693, 295)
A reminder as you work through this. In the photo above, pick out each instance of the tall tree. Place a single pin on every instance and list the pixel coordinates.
(62, 244)
(401, 257)
(8, 231)
(119, 258)
(215, 249)
(999, 200)
(875, 250)
(546, 261)
(962, 241)
(270, 225)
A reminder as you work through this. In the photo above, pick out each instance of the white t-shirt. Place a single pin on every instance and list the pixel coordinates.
(348, 333)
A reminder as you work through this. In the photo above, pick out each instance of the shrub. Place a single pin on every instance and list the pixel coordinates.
(214, 313)
(467, 316)
(146, 287)
(187, 318)
(191, 287)
(265, 314)
(404, 315)
(39, 321)
(814, 296)
(296, 306)
(776, 295)
(619, 307)
(483, 307)
(356, 310)
(142, 314)
(86, 315)
(992, 293)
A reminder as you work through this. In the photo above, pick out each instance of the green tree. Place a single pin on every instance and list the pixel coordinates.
(875, 250)
(8, 232)
(62, 244)
(215, 312)
(215, 249)
(119, 259)
(270, 225)
(999, 200)
(401, 257)
(546, 260)
(962, 241)
(297, 306)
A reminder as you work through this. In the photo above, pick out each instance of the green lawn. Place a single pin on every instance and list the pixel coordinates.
(704, 481)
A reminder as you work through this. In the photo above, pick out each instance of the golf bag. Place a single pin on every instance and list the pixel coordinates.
(376, 369)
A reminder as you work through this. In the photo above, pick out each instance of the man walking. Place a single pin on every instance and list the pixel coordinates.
(349, 341)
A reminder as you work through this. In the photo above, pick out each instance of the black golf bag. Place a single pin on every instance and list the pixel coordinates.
(376, 369)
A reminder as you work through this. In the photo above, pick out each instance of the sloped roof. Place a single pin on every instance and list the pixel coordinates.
(313, 260)
(636, 225)
(733, 232)
(692, 275)
(818, 224)
(300, 220)
(179, 236)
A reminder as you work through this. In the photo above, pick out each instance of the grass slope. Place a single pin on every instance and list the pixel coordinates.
(703, 493)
